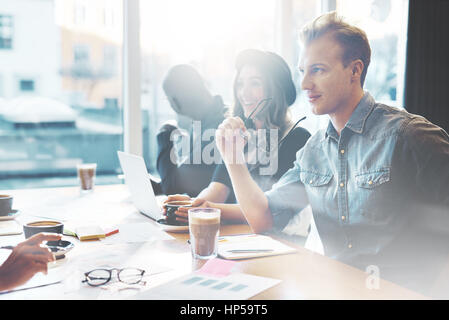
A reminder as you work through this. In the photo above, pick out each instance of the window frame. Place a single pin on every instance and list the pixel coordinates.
(132, 118)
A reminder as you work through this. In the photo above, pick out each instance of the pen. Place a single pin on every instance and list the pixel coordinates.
(249, 250)
(236, 235)
(38, 286)
(245, 134)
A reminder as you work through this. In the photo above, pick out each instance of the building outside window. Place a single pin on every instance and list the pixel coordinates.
(110, 58)
(81, 55)
(6, 31)
(74, 113)
(80, 12)
(26, 85)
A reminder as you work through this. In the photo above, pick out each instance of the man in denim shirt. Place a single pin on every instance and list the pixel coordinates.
(377, 178)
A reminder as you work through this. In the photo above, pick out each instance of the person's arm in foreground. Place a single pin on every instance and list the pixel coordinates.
(26, 259)
(251, 199)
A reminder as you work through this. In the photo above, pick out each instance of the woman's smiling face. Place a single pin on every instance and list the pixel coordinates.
(250, 88)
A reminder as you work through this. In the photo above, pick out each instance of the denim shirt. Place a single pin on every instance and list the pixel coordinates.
(379, 192)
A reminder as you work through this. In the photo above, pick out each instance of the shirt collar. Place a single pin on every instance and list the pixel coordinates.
(358, 118)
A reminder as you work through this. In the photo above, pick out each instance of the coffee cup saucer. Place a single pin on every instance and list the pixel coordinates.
(171, 227)
(10, 216)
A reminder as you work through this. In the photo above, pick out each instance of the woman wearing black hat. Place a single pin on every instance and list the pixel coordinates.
(263, 92)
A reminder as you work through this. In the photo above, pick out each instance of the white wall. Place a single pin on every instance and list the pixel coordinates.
(36, 48)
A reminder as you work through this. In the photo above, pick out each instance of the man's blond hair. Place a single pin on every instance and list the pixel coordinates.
(352, 39)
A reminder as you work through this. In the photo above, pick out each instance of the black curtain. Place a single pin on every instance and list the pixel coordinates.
(427, 70)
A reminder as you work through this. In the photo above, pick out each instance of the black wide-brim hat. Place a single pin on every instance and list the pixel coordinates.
(273, 65)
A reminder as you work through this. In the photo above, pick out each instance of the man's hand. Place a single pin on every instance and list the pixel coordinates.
(28, 258)
(229, 140)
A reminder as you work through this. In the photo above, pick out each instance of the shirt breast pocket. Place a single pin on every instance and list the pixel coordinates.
(372, 179)
(373, 192)
(314, 179)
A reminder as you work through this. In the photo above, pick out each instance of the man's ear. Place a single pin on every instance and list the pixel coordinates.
(357, 67)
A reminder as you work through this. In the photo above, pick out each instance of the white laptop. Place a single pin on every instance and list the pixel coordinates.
(139, 184)
(142, 193)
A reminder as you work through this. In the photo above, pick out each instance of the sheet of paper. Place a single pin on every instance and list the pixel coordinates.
(10, 227)
(113, 256)
(117, 256)
(137, 232)
(251, 246)
(237, 286)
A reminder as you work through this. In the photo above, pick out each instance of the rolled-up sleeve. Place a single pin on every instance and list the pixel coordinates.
(287, 197)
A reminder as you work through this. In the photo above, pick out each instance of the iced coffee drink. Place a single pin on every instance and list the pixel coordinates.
(204, 225)
(86, 175)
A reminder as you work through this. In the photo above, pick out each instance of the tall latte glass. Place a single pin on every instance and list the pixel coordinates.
(86, 176)
(204, 225)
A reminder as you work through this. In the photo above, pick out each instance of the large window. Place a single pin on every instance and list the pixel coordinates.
(61, 90)
(61, 95)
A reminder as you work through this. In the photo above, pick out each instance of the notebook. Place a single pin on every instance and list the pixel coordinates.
(94, 232)
(251, 246)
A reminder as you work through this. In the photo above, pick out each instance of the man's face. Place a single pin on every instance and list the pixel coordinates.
(324, 78)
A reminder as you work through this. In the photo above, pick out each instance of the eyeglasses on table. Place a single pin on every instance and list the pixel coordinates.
(101, 276)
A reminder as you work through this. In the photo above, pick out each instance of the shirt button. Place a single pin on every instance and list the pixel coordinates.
(350, 245)
(343, 218)
(311, 181)
(342, 151)
(342, 184)
(370, 182)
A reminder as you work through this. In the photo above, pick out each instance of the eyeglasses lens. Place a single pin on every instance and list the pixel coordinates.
(130, 275)
(98, 277)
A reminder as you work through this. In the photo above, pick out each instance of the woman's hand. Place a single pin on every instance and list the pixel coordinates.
(27, 258)
(182, 214)
(229, 140)
(175, 197)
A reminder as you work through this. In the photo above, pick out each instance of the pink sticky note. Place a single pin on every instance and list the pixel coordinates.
(217, 267)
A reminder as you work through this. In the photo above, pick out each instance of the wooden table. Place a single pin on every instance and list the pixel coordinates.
(304, 275)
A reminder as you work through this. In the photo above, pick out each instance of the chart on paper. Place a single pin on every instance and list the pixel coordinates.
(238, 286)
